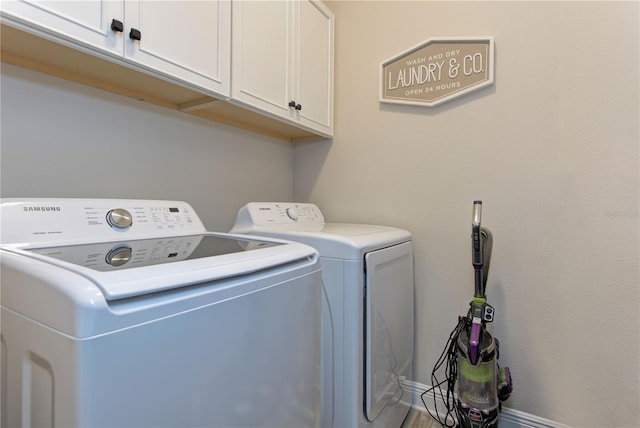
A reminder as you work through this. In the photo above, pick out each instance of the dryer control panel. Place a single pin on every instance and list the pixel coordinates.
(285, 214)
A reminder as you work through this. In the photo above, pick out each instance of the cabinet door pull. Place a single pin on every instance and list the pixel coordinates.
(292, 104)
(298, 107)
(135, 34)
(117, 26)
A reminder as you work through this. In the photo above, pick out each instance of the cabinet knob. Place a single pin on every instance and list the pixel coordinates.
(298, 107)
(292, 104)
(117, 26)
(135, 34)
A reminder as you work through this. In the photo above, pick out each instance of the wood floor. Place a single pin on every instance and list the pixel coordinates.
(418, 419)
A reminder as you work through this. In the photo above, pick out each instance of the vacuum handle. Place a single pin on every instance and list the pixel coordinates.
(476, 248)
(477, 213)
(476, 235)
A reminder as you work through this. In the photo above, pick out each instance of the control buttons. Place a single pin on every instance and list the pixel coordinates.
(119, 256)
(292, 214)
(488, 313)
(119, 218)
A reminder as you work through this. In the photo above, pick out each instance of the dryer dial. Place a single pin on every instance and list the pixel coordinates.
(292, 214)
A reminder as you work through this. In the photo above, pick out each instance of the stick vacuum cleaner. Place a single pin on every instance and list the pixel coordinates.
(475, 384)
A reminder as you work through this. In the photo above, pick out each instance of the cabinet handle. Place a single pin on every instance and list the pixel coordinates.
(135, 34)
(117, 26)
(295, 105)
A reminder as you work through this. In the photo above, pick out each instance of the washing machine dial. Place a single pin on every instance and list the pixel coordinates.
(119, 256)
(291, 213)
(119, 218)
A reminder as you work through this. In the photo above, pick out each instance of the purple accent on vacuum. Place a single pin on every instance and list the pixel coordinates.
(474, 342)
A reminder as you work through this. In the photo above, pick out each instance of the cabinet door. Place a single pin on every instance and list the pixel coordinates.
(262, 55)
(314, 66)
(85, 22)
(188, 40)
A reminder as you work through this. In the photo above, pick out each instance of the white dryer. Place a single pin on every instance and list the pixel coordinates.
(128, 313)
(368, 322)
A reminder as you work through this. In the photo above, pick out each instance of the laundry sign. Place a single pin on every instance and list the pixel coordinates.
(437, 70)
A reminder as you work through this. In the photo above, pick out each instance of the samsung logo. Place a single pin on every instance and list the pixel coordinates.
(40, 209)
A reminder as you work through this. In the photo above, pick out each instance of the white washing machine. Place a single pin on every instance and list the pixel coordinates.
(368, 323)
(128, 313)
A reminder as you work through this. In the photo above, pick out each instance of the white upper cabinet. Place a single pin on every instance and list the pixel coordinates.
(282, 61)
(185, 40)
(189, 40)
(262, 54)
(314, 91)
(84, 22)
(270, 62)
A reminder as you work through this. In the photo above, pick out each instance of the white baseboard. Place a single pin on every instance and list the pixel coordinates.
(509, 418)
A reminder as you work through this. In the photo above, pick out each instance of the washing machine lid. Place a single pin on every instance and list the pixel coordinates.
(130, 247)
(124, 269)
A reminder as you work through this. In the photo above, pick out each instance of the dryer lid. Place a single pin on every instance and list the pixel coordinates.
(341, 240)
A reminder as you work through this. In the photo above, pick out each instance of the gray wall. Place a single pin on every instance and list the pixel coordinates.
(551, 149)
(61, 139)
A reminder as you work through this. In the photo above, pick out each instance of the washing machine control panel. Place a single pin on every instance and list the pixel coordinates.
(279, 214)
(58, 220)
